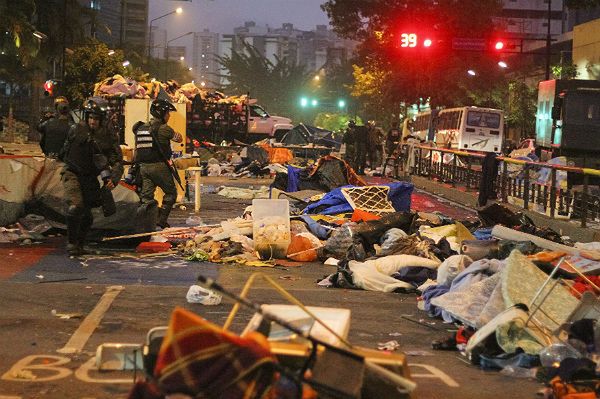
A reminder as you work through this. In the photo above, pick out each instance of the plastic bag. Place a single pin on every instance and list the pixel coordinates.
(390, 237)
(451, 268)
(303, 247)
(197, 294)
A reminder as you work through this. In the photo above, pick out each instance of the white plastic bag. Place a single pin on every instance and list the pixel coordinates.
(197, 294)
(451, 268)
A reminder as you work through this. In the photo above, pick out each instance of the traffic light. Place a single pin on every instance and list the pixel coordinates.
(341, 104)
(49, 88)
(314, 102)
(499, 45)
(303, 102)
(411, 40)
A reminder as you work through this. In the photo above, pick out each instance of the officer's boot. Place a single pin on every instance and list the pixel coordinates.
(85, 226)
(163, 216)
(73, 230)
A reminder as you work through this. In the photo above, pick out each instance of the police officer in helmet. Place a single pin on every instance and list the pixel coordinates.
(90, 151)
(54, 130)
(153, 153)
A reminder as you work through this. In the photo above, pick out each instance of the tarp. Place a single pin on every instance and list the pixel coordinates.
(304, 134)
(334, 202)
(35, 181)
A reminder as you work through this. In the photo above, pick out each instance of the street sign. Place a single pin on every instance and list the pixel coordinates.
(466, 43)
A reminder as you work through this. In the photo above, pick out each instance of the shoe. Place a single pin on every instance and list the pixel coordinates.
(76, 250)
(163, 225)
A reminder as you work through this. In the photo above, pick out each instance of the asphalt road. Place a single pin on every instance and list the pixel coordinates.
(34, 293)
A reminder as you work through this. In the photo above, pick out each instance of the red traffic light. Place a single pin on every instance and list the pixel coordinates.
(49, 88)
(499, 45)
(412, 40)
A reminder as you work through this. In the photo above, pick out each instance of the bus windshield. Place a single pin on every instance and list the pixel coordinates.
(483, 119)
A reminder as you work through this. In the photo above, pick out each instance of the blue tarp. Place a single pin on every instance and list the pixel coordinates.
(293, 181)
(334, 202)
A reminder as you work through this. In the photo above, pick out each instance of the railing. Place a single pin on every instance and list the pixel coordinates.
(566, 192)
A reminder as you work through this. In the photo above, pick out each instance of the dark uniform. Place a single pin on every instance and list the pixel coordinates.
(350, 151)
(361, 142)
(151, 153)
(392, 139)
(87, 153)
(54, 134)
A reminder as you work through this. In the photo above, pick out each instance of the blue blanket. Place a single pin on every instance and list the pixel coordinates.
(334, 202)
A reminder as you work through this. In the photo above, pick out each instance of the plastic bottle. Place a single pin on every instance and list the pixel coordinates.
(552, 355)
(518, 372)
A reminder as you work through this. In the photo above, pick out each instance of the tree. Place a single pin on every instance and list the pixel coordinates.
(88, 65)
(334, 122)
(437, 72)
(522, 107)
(276, 85)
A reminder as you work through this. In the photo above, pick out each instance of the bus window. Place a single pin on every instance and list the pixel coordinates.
(483, 119)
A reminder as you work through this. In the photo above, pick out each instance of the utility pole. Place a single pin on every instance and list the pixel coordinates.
(122, 25)
(64, 40)
(548, 41)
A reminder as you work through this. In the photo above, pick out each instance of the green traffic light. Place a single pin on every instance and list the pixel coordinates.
(341, 104)
(303, 102)
(314, 102)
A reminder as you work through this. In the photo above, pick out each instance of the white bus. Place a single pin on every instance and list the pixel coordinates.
(464, 128)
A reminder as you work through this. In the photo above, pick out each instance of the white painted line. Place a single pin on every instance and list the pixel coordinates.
(91, 322)
(434, 372)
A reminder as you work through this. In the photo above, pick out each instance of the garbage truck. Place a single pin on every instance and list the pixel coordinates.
(568, 121)
(233, 118)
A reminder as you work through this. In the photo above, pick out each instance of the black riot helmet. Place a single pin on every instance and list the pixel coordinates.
(95, 106)
(160, 108)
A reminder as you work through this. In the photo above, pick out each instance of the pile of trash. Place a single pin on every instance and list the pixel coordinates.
(119, 86)
(524, 298)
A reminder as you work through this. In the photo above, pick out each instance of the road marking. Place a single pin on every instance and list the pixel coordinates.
(83, 374)
(434, 372)
(21, 371)
(91, 322)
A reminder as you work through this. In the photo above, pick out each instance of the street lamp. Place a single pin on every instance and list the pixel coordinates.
(167, 52)
(502, 64)
(471, 72)
(178, 10)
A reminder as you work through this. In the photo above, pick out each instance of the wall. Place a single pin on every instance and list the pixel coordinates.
(586, 49)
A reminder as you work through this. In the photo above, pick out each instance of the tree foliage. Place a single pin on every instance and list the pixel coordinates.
(334, 122)
(275, 85)
(520, 113)
(437, 72)
(88, 65)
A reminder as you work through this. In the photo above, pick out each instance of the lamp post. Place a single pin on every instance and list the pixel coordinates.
(167, 52)
(178, 10)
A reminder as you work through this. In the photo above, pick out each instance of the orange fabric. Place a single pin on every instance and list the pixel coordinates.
(547, 256)
(363, 216)
(562, 390)
(198, 357)
(303, 248)
(278, 155)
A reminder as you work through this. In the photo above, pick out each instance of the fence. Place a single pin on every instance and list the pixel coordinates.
(555, 190)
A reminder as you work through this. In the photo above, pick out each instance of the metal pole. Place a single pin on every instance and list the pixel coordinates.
(548, 40)
(64, 39)
(122, 30)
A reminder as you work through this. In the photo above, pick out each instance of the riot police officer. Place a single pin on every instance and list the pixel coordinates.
(54, 130)
(90, 151)
(153, 154)
(361, 142)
